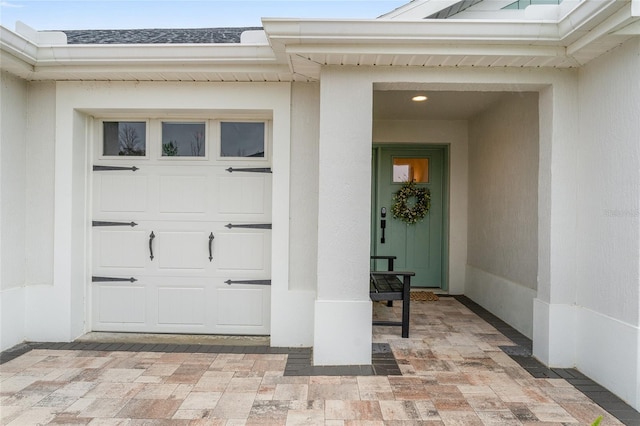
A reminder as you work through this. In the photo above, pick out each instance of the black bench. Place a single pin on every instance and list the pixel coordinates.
(390, 260)
(387, 286)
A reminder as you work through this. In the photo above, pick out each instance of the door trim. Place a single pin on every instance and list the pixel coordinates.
(375, 164)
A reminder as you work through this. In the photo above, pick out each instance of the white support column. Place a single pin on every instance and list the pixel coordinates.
(342, 326)
(554, 311)
(48, 307)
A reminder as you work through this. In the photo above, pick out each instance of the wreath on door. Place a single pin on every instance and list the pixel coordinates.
(407, 211)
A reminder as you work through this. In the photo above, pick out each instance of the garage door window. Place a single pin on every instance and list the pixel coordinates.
(124, 138)
(242, 139)
(183, 139)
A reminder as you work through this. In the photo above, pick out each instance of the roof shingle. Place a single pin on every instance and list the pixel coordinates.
(157, 36)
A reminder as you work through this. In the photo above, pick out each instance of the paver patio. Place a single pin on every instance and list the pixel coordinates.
(453, 373)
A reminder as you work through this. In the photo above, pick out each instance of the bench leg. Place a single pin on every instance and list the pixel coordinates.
(406, 301)
(390, 268)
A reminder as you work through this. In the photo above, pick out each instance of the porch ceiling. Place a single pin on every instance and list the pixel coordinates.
(440, 105)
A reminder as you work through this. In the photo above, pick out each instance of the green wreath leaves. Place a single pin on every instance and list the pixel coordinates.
(415, 213)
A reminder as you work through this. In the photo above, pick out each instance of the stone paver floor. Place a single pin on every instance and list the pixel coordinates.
(453, 373)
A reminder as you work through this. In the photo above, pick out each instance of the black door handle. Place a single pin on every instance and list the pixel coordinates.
(383, 223)
(211, 237)
(151, 237)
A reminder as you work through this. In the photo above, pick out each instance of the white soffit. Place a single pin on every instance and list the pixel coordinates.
(583, 33)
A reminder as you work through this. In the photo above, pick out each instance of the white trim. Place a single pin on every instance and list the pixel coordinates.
(608, 352)
(506, 299)
(12, 312)
(554, 333)
(349, 346)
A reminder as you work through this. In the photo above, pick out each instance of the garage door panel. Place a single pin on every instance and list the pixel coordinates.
(242, 306)
(121, 304)
(181, 306)
(170, 304)
(243, 195)
(182, 250)
(243, 251)
(121, 248)
(122, 193)
(183, 194)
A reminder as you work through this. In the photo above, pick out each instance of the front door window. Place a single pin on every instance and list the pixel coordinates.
(410, 170)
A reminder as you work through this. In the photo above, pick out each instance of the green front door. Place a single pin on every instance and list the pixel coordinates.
(418, 247)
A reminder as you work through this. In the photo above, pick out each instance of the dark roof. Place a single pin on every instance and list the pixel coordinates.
(146, 36)
(453, 9)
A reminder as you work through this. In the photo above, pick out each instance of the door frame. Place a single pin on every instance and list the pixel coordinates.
(375, 163)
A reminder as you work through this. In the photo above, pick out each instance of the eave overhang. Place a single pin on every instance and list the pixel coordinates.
(585, 32)
(140, 62)
(298, 49)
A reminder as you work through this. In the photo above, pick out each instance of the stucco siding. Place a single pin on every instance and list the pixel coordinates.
(40, 150)
(13, 181)
(503, 190)
(303, 260)
(13, 124)
(609, 172)
(608, 222)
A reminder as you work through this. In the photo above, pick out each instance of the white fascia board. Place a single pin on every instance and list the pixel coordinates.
(15, 66)
(434, 49)
(619, 20)
(633, 29)
(409, 32)
(586, 15)
(116, 54)
(112, 55)
(581, 19)
(18, 46)
(133, 68)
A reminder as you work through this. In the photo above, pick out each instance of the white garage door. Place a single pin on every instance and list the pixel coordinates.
(181, 235)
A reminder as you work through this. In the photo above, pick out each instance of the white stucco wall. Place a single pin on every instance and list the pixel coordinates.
(303, 265)
(503, 209)
(293, 324)
(608, 222)
(503, 196)
(40, 182)
(13, 181)
(60, 312)
(13, 124)
(454, 134)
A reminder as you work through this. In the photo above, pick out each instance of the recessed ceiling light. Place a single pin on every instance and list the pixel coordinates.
(419, 98)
